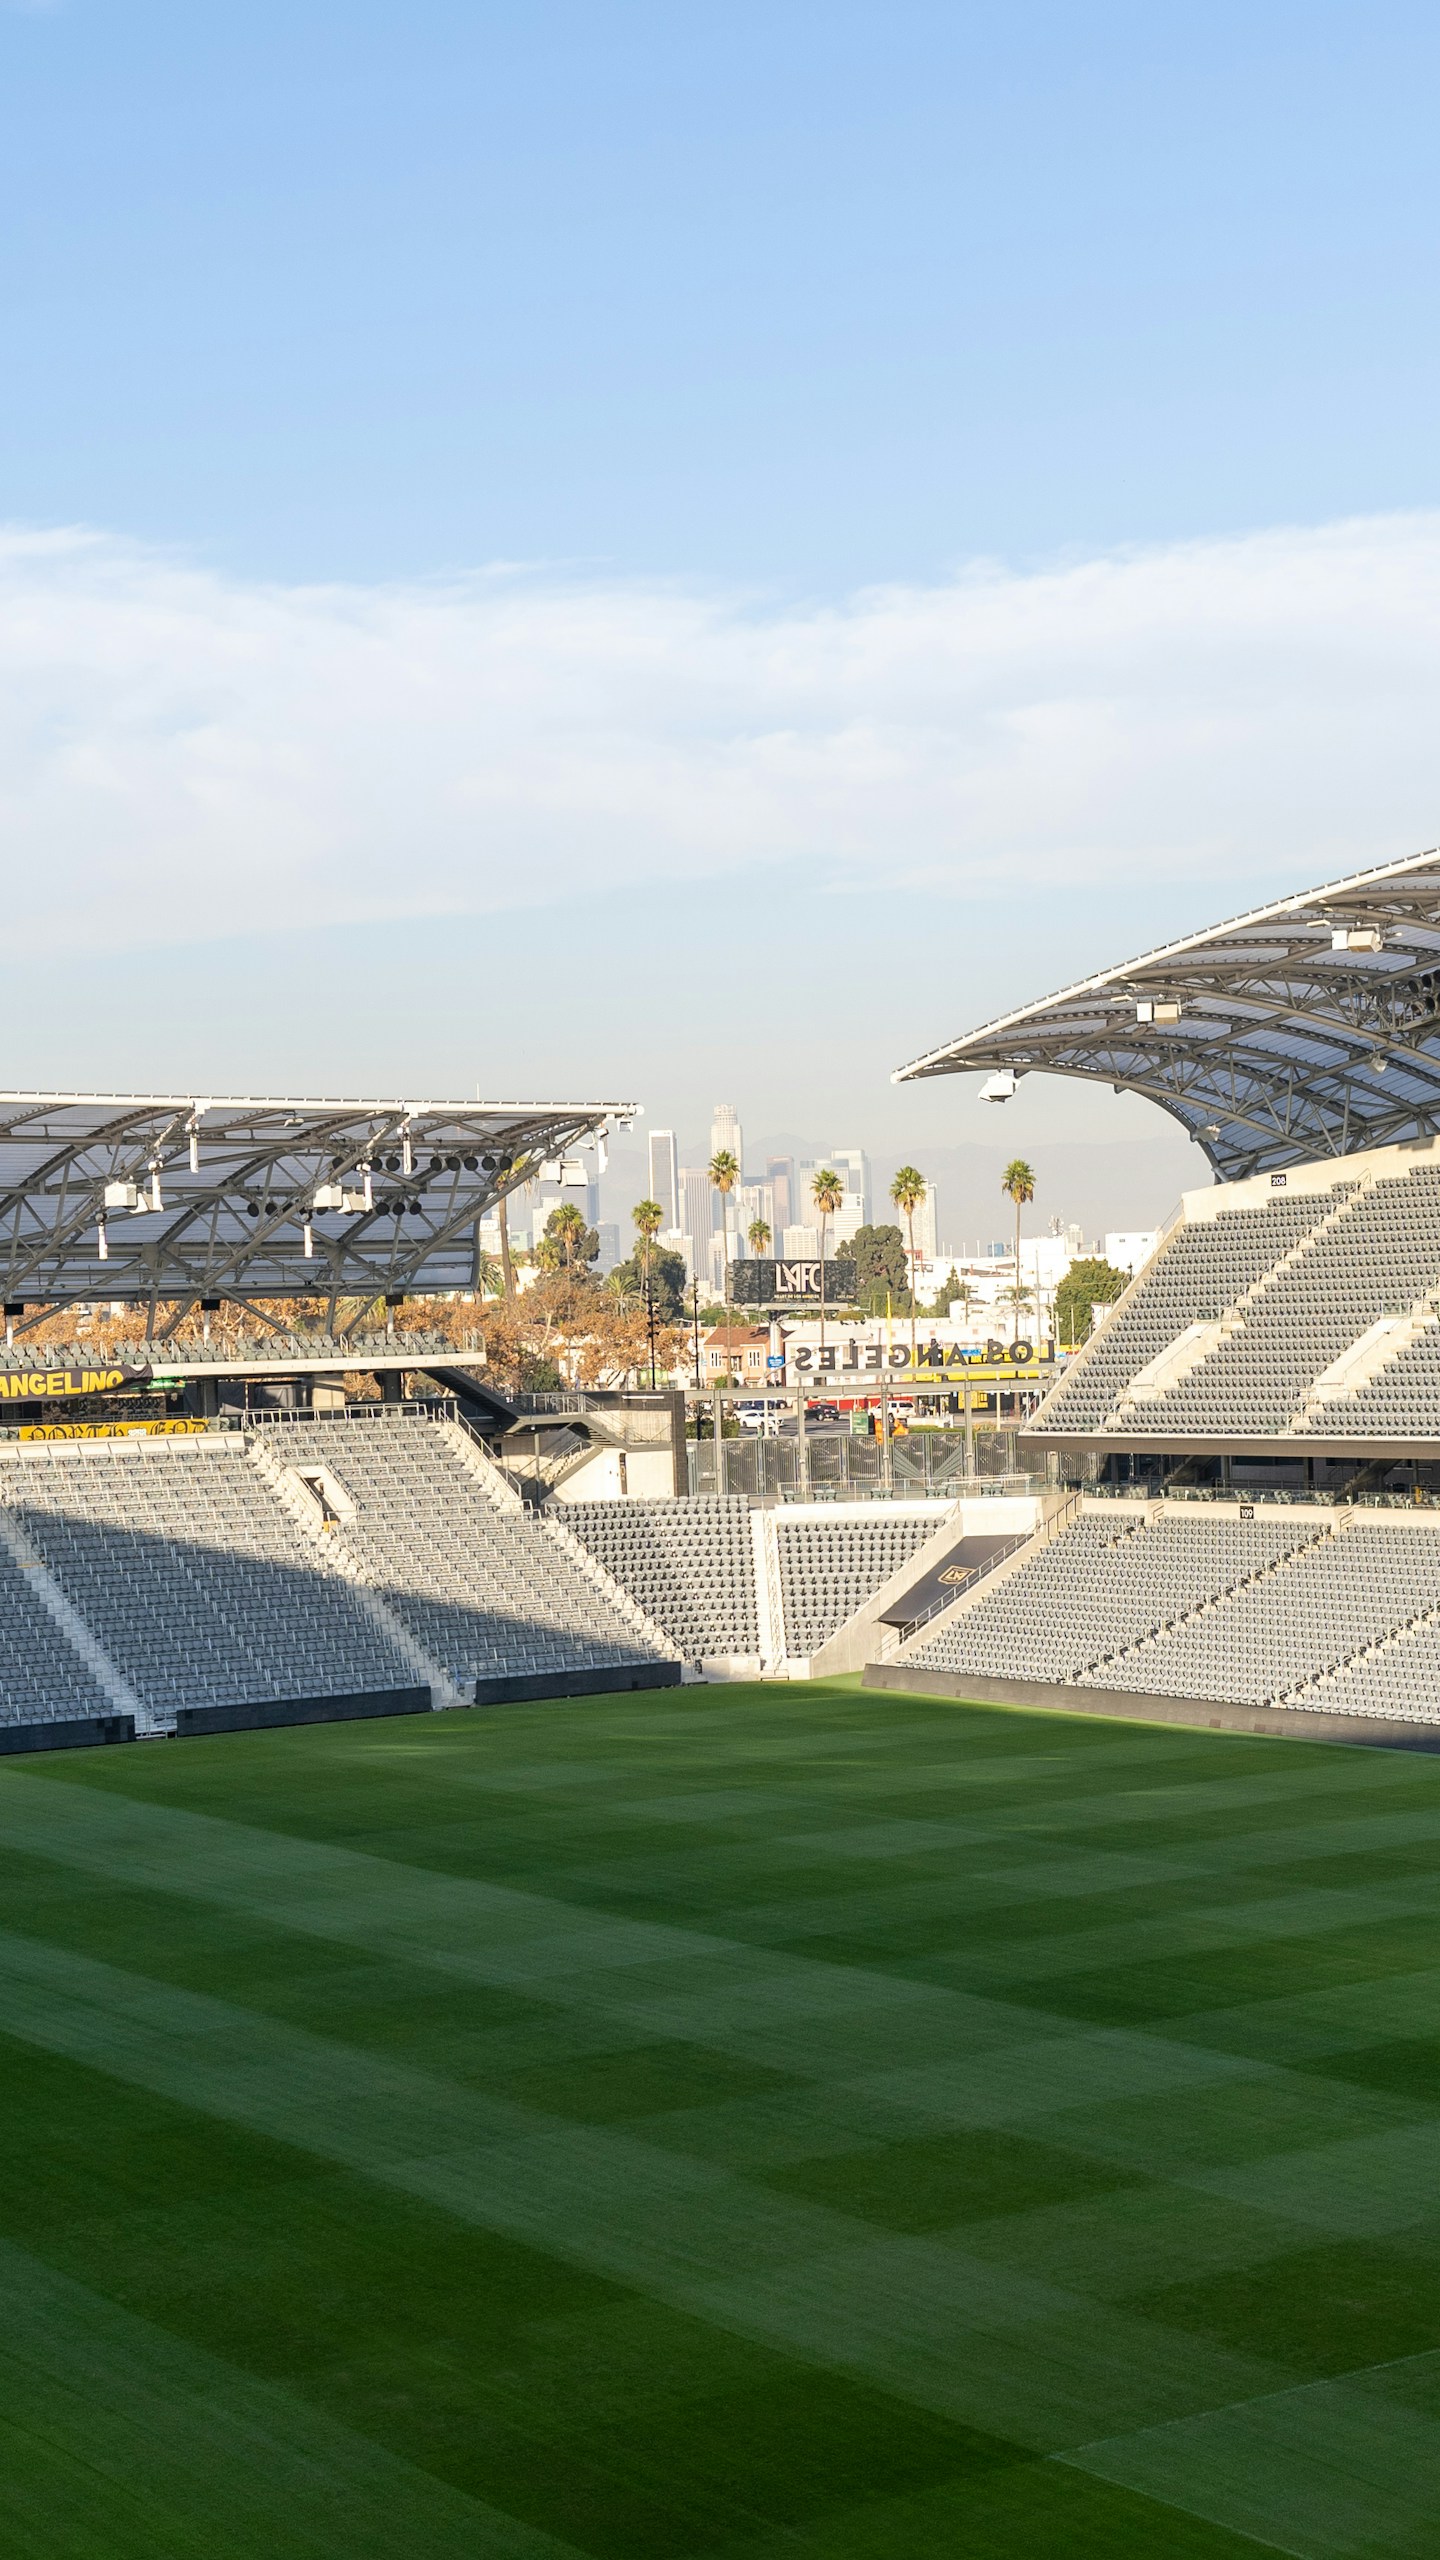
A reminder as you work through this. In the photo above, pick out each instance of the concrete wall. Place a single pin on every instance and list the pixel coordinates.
(1003, 1516)
(1294, 1723)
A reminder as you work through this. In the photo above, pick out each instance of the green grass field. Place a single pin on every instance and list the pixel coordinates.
(776, 2122)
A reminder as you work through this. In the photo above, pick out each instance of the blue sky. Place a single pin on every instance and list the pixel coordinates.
(780, 291)
(585, 371)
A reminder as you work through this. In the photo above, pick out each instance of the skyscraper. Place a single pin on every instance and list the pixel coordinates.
(664, 1175)
(854, 1169)
(727, 1134)
(927, 1224)
(697, 1218)
(780, 1174)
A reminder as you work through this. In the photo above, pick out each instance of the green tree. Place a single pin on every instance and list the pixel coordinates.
(649, 1218)
(667, 1282)
(1018, 1183)
(880, 1271)
(757, 1236)
(827, 1191)
(511, 1173)
(1089, 1283)
(953, 1291)
(908, 1192)
(567, 1243)
(725, 1173)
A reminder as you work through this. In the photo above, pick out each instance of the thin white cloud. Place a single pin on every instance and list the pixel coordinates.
(184, 755)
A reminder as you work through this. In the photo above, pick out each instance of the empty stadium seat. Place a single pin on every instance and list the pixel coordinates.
(830, 1568)
(688, 1563)
(485, 1591)
(1288, 1609)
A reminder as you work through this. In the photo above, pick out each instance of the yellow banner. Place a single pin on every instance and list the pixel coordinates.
(974, 1373)
(103, 1430)
(26, 1386)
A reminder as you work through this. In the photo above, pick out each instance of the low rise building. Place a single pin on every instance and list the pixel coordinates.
(736, 1351)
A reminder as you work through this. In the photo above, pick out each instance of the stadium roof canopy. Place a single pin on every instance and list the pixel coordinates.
(150, 1196)
(1307, 1028)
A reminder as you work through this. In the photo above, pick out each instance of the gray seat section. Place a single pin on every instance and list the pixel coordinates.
(829, 1568)
(486, 1592)
(1100, 1586)
(1381, 1256)
(191, 1575)
(42, 1678)
(1402, 1403)
(1293, 1625)
(1199, 1272)
(689, 1564)
(1401, 1679)
(1281, 1610)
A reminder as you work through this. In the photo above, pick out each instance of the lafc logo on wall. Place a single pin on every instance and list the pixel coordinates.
(30, 1385)
(765, 1284)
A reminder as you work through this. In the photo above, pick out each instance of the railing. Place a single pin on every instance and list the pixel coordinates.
(582, 1399)
(840, 1465)
(1046, 1529)
(524, 1486)
(269, 1418)
(1337, 1497)
(417, 1350)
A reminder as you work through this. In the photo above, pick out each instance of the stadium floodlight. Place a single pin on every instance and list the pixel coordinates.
(286, 1197)
(1261, 1035)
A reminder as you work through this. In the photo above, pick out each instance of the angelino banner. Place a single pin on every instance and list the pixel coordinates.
(774, 1284)
(29, 1386)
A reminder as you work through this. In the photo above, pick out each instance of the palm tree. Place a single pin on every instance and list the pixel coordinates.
(1018, 1183)
(757, 1236)
(725, 1173)
(507, 1267)
(520, 1172)
(908, 1191)
(567, 1225)
(649, 1218)
(827, 1191)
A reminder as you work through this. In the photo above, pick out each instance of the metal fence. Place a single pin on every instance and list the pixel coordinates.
(840, 1466)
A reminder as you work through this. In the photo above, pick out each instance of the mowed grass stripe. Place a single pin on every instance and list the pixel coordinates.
(119, 2441)
(796, 2012)
(993, 2350)
(582, 2407)
(616, 1984)
(1338, 2469)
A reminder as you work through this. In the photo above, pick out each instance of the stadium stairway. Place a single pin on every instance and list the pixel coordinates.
(1296, 1618)
(1310, 1315)
(745, 1593)
(323, 1570)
